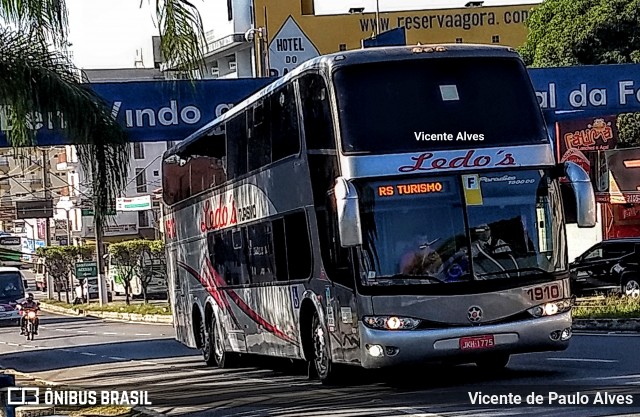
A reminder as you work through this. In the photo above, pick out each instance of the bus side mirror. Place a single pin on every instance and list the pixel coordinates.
(583, 190)
(26, 285)
(348, 209)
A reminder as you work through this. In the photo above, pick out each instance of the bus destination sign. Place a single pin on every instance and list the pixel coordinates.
(410, 189)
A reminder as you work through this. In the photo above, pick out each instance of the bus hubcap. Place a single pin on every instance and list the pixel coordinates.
(321, 359)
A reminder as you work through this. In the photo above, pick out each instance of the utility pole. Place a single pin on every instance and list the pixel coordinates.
(102, 288)
(47, 193)
(377, 19)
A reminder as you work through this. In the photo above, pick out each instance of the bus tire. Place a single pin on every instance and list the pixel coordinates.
(207, 345)
(493, 362)
(321, 364)
(224, 359)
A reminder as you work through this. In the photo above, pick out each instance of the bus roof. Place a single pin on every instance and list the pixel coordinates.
(331, 62)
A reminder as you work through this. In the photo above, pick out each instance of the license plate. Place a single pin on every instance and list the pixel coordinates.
(477, 342)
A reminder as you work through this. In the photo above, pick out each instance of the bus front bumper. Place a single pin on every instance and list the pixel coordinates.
(410, 346)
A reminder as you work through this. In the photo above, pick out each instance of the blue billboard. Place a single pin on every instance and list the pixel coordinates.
(158, 111)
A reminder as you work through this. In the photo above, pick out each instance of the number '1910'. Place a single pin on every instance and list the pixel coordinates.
(548, 292)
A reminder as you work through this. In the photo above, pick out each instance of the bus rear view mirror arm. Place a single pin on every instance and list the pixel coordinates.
(583, 190)
(348, 210)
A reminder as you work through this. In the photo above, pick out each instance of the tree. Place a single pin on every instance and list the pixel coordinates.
(59, 262)
(583, 32)
(587, 32)
(151, 265)
(125, 257)
(37, 82)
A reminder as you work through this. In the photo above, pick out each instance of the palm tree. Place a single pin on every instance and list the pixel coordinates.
(38, 81)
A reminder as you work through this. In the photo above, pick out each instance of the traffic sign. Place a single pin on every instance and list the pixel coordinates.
(86, 269)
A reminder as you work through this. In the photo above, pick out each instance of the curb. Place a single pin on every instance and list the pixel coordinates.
(128, 317)
(632, 325)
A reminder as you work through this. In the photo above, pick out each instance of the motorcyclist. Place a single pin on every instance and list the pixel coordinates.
(28, 304)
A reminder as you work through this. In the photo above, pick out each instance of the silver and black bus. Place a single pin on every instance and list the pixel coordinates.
(375, 207)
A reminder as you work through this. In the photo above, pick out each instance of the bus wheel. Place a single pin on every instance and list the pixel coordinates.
(224, 359)
(321, 361)
(493, 362)
(207, 345)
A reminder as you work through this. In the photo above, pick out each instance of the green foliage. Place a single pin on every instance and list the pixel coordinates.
(583, 32)
(610, 307)
(155, 308)
(628, 130)
(37, 81)
(136, 257)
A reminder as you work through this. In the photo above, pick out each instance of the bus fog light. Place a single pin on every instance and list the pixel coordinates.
(375, 350)
(555, 335)
(566, 334)
(392, 350)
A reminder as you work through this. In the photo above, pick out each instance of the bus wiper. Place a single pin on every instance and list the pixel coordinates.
(419, 277)
(517, 270)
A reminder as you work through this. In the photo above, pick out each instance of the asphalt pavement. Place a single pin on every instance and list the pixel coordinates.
(98, 354)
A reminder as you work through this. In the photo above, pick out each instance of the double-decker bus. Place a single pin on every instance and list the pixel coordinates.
(375, 207)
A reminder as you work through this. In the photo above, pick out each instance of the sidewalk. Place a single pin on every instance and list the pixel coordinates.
(130, 317)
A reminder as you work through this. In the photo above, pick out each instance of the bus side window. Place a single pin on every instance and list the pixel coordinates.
(236, 130)
(318, 124)
(260, 253)
(259, 143)
(334, 257)
(292, 248)
(285, 136)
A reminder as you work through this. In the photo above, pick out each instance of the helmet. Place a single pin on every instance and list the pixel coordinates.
(30, 296)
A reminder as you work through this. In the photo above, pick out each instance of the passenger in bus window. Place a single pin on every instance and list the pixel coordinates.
(421, 258)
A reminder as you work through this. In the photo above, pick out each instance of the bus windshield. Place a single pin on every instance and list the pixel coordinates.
(434, 104)
(11, 288)
(430, 231)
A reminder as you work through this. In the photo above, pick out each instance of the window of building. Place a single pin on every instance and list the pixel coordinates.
(343, 47)
(495, 39)
(138, 150)
(141, 180)
(171, 144)
(156, 173)
(230, 10)
(458, 40)
(143, 219)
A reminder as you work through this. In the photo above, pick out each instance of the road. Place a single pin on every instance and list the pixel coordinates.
(93, 353)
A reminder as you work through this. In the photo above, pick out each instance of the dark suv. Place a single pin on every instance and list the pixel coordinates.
(609, 265)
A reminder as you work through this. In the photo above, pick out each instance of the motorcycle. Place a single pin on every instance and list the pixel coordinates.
(32, 316)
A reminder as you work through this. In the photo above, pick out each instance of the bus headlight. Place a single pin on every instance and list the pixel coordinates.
(551, 308)
(31, 314)
(391, 322)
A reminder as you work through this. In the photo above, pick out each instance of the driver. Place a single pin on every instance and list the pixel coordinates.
(484, 243)
(28, 304)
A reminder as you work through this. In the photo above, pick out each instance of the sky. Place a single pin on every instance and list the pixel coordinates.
(109, 33)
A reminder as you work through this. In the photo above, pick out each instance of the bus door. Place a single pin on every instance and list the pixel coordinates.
(180, 306)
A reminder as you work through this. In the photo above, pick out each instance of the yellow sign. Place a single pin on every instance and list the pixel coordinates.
(472, 190)
(295, 34)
